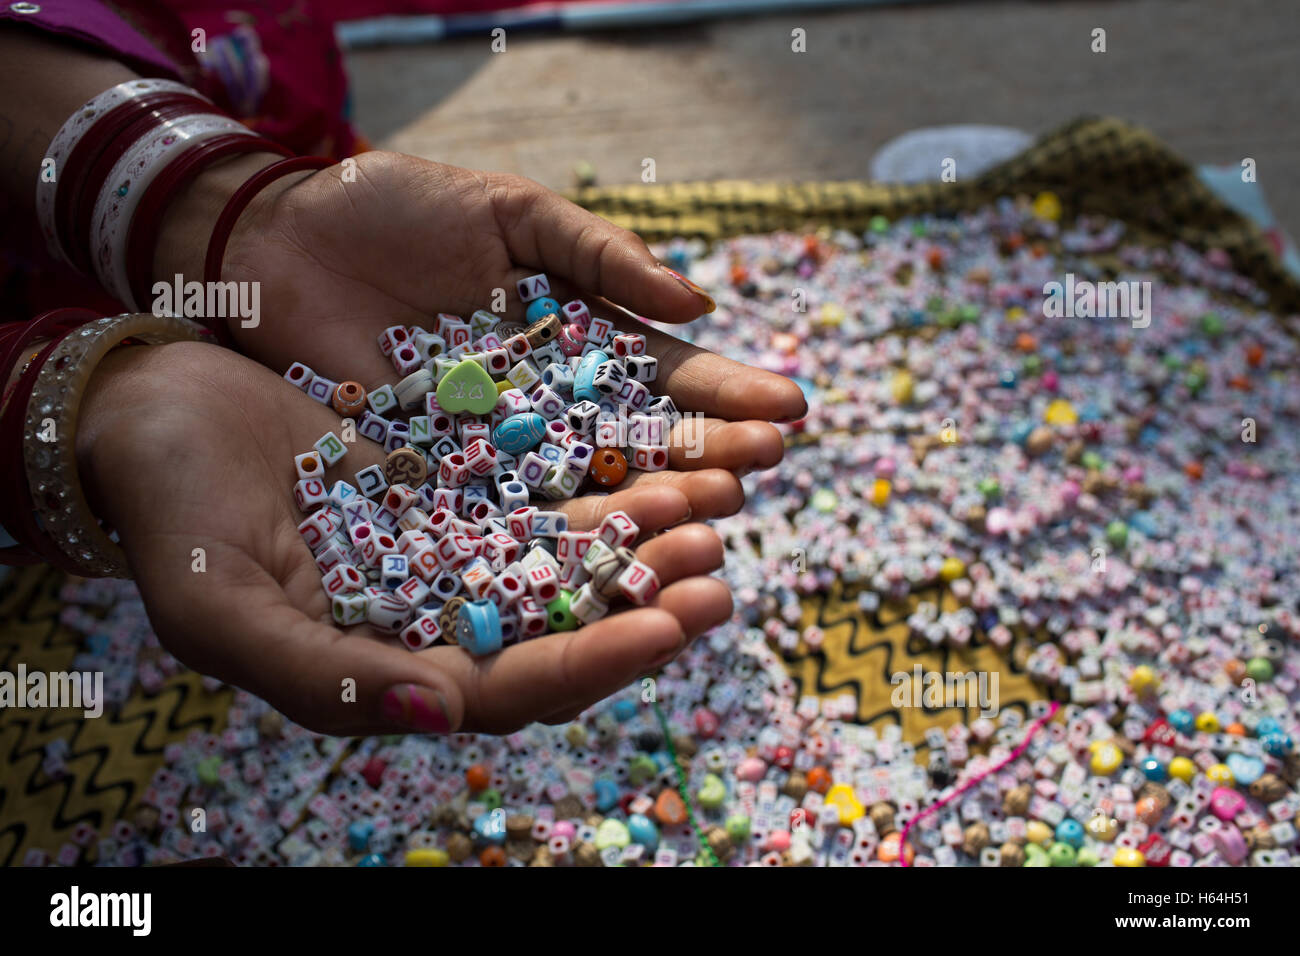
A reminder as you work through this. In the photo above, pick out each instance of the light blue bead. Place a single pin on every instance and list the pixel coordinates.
(1007, 379)
(540, 307)
(1183, 721)
(1267, 725)
(1143, 521)
(606, 794)
(518, 433)
(624, 710)
(643, 831)
(478, 628)
(490, 827)
(372, 859)
(1245, 769)
(583, 390)
(359, 832)
(1020, 432)
(1070, 831)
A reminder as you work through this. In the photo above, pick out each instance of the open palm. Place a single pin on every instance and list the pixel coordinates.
(196, 453)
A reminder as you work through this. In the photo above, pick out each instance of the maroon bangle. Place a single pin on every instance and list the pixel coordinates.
(235, 207)
(144, 225)
(98, 138)
(16, 514)
(83, 211)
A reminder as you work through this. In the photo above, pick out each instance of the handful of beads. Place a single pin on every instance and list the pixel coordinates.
(451, 539)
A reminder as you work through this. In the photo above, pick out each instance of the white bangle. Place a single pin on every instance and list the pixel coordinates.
(70, 134)
(127, 183)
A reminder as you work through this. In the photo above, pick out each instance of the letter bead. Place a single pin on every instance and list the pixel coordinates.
(349, 609)
(577, 313)
(382, 400)
(388, 613)
(309, 493)
(639, 583)
(649, 457)
(629, 343)
(642, 368)
(299, 375)
(343, 579)
(618, 530)
(587, 606)
(533, 287)
(321, 389)
(421, 633)
(394, 569)
(309, 465)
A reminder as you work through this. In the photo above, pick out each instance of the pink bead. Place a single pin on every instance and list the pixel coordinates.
(1226, 804)
(1070, 492)
(751, 769)
(564, 828)
(998, 521)
(886, 468)
(1050, 381)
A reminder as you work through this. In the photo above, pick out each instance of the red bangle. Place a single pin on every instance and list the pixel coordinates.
(16, 514)
(98, 138)
(235, 207)
(148, 217)
(97, 174)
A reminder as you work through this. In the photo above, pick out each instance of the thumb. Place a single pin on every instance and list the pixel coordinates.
(547, 232)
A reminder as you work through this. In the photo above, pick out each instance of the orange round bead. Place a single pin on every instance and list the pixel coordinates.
(1237, 730)
(889, 849)
(493, 856)
(1194, 470)
(349, 399)
(819, 779)
(478, 777)
(608, 467)
(1254, 355)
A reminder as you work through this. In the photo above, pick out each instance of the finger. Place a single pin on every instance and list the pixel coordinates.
(563, 670)
(546, 232)
(326, 680)
(684, 552)
(698, 442)
(701, 381)
(698, 603)
(651, 507)
(712, 492)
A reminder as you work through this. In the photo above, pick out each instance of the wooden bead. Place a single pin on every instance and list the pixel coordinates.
(406, 466)
(349, 399)
(544, 330)
(608, 467)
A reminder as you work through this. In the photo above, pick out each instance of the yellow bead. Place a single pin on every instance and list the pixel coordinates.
(1047, 206)
(504, 386)
(1015, 313)
(952, 569)
(880, 493)
(831, 314)
(1102, 827)
(1207, 722)
(841, 797)
(1221, 775)
(427, 856)
(1036, 831)
(1143, 679)
(1182, 768)
(1127, 856)
(1060, 412)
(1106, 757)
(901, 387)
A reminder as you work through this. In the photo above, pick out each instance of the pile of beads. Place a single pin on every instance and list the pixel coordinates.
(444, 541)
(1175, 659)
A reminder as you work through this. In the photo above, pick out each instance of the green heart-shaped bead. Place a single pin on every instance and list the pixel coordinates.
(712, 792)
(467, 388)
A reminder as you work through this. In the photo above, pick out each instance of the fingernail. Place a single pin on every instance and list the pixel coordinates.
(418, 708)
(691, 287)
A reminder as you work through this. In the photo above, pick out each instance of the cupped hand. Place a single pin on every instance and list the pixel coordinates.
(349, 251)
(189, 446)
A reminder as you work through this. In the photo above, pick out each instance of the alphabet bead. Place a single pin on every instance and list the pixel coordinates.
(309, 465)
(618, 530)
(382, 401)
(388, 613)
(421, 633)
(639, 583)
(349, 609)
(587, 606)
(299, 375)
(330, 448)
(393, 571)
(533, 287)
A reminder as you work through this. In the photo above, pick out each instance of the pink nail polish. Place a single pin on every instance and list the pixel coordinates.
(416, 707)
(691, 287)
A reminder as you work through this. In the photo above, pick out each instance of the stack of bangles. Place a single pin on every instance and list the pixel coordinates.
(109, 175)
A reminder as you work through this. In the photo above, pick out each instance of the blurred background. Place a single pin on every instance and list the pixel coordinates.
(725, 97)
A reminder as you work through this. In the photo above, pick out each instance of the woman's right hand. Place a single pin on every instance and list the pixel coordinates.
(188, 446)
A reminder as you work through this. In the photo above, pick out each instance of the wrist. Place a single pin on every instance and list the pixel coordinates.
(188, 221)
